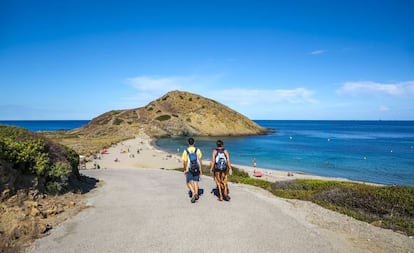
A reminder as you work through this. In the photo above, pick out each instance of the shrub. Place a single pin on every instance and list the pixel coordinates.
(117, 121)
(34, 154)
(106, 121)
(163, 117)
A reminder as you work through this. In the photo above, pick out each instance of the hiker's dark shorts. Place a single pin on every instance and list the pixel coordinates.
(219, 170)
(190, 177)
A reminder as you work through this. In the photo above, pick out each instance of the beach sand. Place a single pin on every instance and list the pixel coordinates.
(149, 156)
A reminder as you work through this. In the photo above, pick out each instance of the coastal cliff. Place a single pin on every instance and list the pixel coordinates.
(177, 113)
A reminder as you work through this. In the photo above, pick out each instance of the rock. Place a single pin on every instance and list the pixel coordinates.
(43, 228)
(51, 211)
(31, 203)
(377, 223)
(35, 212)
(5, 194)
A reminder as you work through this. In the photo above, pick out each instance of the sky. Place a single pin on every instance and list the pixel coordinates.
(280, 60)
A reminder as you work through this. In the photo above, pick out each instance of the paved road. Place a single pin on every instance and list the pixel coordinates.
(148, 210)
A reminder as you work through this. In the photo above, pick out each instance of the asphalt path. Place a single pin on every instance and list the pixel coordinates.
(149, 210)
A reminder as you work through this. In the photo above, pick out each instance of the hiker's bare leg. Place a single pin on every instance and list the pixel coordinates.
(225, 187)
(218, 183)
(195, 187)
(191, 187)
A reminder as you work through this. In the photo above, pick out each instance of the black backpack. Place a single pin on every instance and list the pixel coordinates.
(193, 164)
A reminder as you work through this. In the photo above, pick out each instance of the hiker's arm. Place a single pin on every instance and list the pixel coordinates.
(230, 170)
(200, 159)
(213, 157)
(185, 165)
(185, 161)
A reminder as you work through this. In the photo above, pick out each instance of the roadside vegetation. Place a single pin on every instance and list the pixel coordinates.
(39, 182)
(390, 207)
(52, 167)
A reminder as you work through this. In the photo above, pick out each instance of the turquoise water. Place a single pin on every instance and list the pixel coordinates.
(371, 151)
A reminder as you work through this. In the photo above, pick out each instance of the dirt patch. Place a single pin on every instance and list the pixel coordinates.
(23, 220)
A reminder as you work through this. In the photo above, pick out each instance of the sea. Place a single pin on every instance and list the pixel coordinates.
(46, 125)
(379, 152)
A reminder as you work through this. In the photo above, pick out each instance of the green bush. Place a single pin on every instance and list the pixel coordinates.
(163, 117)
(34, 154)
(117, 121)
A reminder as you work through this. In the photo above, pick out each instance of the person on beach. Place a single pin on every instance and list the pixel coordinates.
(192, 168)
(220, 165)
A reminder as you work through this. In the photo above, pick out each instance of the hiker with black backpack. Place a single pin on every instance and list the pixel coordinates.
(192, 168)
(221, 166)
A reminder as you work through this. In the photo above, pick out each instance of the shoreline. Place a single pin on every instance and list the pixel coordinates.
(142, 152)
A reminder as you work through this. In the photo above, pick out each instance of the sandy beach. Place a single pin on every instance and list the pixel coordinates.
(141, 152)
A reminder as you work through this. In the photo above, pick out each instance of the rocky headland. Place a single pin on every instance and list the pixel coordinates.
(177, 113)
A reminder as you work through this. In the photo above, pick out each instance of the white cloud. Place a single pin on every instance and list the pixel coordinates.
(383, 108)
(373, 88)
(316, 52)
(155, 84)
(152, 87)
(256, 96)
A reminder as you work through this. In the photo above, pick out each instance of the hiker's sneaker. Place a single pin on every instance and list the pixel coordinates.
(226, 198)
(196, 197)
(193, 199)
